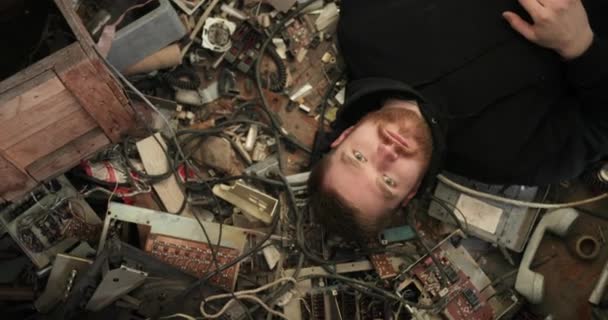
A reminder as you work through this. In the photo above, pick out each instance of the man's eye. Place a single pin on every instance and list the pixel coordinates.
(389, 181)
(359, 156)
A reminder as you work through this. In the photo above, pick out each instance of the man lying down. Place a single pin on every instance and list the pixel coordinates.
(500, 91)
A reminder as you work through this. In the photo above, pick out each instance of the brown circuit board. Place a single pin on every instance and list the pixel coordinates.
(464, 301)
(195, 258)
(383, 266)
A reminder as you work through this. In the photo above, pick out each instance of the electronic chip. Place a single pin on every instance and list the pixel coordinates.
(471, 297)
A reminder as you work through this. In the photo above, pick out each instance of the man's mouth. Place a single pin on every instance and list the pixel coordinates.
(397, 139)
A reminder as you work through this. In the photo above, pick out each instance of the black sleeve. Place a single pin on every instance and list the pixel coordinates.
(588, 76)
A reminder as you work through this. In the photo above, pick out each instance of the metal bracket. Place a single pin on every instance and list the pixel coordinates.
(114, 285)
(60, 274)
(263, 168)
(253, 202)
(172, 225)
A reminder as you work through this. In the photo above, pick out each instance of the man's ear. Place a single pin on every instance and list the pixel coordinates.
(343, 136)
(409, 197)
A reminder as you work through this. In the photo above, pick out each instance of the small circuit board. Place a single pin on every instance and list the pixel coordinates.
(383, 266)
(454, 280)
(195, 258)
(464, 300)
(50, 220)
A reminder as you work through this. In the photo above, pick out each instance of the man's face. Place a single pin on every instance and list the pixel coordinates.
(377, 165)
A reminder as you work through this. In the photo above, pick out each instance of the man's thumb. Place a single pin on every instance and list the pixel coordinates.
(520, 25)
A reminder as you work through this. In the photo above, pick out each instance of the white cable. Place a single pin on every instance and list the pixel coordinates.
(120, 195)
(518, 203)
(245, 294)
(177, 315)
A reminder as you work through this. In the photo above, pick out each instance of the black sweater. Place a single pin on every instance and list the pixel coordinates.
(506, 110)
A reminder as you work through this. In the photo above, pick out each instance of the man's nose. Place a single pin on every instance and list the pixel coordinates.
(387, 153)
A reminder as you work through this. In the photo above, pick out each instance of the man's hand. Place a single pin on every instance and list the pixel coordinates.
(561, 25)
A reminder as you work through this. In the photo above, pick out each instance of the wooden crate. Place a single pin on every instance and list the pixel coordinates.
(56, 112)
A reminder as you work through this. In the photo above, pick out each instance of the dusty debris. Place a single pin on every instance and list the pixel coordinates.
(219, 154)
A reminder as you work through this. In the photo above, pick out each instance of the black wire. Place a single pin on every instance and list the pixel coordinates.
(257, 70)
(279, 132)
(173, 170)
(381, 292)
(320, 135)
(237, 260)
(446, 206)
(281, 71)
(173, 78)
(214, 255)
(444, 277)
(280, 291)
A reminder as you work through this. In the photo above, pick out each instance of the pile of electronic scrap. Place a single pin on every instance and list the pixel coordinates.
(201, 212)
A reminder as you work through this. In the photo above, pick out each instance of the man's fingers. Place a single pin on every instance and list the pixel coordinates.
(520, 25)
(534, 7)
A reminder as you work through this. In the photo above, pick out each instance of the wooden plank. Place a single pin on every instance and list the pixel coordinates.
(14, 182)
(96, 97)
(75, 23)
(113, 83)
(27, 93)
(155, 162)
(69, 155)
(32, 119)
(43, 114)
(88, 45)
(70, 54)
(51, 138)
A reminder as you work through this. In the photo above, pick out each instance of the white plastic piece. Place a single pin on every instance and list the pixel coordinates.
(272, 256)
(479, 214)
(216, 34)
(189, 7)
(190, 97)
(301, 92)
(600, 287)
(340, 96)
(181, 115)
(252, 136)
(233, 12)
(304, 108)
(266, 21)
(328, 57)
(529, 283)
(514, 202)
(328, 16)
(197, 97)
(301, 54)
(249, 200)
(281, 47)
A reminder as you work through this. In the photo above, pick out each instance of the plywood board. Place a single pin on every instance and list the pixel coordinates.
(58, 61)
(29, 120)
(28, 94)
(14, 182)
(96, 97)
(155, 162)
(69, 155)
(50, 138)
